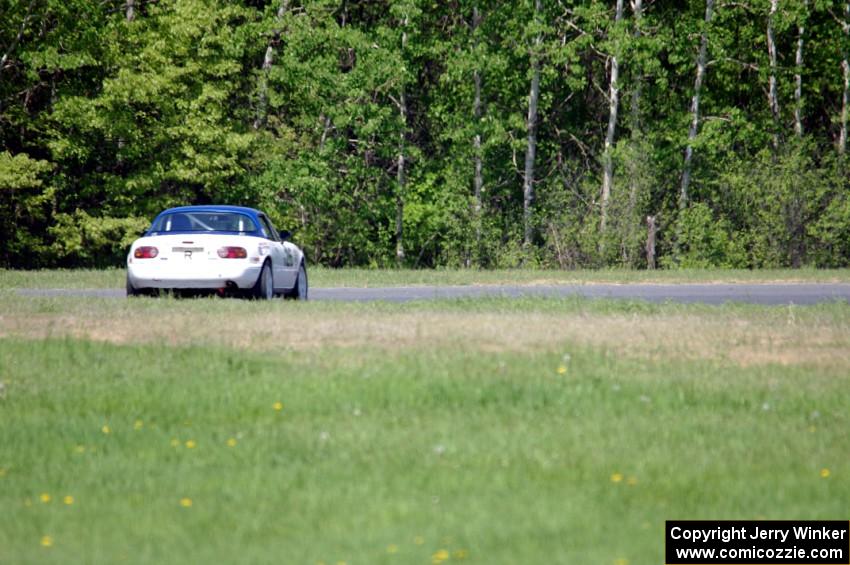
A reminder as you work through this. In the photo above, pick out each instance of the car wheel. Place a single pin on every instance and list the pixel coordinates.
(264, 288)
(131, 290)
(301, 288)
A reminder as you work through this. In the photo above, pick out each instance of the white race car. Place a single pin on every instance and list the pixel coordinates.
(224, 249)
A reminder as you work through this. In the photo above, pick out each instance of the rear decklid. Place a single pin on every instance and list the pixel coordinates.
(191, 248)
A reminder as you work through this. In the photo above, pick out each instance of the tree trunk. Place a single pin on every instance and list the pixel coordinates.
(477, 179)
(637, 9)
(632, 219)
(772, 96)
(399, 215)
(650, 242)
(18, 37)
(845, 95)
(399, 202)
(263, 93)
(129, 15)
(326, 128)
(531, 127)
(692, 131)
(400, 173)
(613, 108)
(845, 98)
(798, 76)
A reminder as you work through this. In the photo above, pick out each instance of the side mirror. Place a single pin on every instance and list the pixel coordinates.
(284, 235)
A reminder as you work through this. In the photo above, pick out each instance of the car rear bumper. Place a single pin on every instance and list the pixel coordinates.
(200, 275)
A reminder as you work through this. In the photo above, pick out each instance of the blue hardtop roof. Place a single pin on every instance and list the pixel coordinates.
(212, 208)
(250, 212)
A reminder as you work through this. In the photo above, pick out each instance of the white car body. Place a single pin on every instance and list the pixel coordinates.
(192, 258)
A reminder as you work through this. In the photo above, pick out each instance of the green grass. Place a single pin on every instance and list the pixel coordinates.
(397, 277)
(323, 277)
(492, 455)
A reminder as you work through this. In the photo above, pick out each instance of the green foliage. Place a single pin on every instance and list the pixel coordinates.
(706, 241)
(786, 205)
(831, 230)
(162, 129)
(297, 107)
(97, 241)
(25, 202)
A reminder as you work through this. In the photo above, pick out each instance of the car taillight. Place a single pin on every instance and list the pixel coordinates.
(145, 252)
(232, 253)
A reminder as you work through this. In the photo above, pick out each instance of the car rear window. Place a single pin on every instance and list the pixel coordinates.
(204, 221)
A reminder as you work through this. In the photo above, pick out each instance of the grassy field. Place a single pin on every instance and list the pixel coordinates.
(475, 431)
(323, 277)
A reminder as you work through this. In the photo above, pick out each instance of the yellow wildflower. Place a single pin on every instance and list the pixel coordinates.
(186, 502)
(190, 444)
(231, 442)
(46, 541)
(105, 429)
(440, 556)
(824, 473)
(138, 425)
(616, 477)
(278, 406)
(44, 497)
(69, 500)
(562, 370)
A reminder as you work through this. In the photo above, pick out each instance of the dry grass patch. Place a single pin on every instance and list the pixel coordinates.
(741, 337)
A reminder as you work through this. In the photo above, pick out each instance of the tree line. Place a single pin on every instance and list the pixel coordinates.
(475, 133)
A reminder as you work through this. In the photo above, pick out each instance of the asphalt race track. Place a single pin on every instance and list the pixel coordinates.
(773, 294)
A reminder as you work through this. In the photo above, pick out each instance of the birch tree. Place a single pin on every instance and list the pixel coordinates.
(400, 160)
(10, 49)
(637, 11)
(845, 71)
(531, 128)
(772, 96)
(129, 16)
(477, 178)
(637, 142)
(798, 72)
(268, 61)
(613, 107)
(694, 127)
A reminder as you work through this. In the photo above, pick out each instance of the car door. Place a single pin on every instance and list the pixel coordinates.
(278, 254)
(291, 258)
